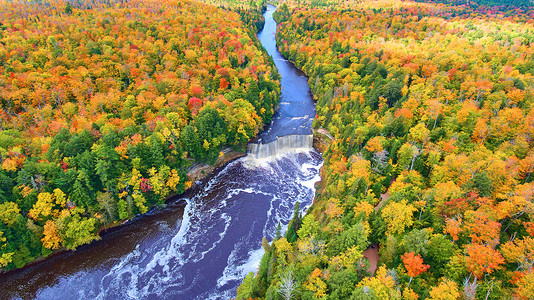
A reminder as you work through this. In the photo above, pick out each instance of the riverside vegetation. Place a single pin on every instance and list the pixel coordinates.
(431, 110)
(106, 104)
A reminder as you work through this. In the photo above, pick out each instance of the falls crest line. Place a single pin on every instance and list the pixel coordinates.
(280, 145)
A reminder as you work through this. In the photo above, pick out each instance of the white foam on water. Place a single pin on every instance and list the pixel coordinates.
(206, 222)
(228, 294)
(253, 163)
(280, 211)
(310, 183)
(186, 235)
(270, 214)
(227, 221)
(129, 267)
(180, 237)
(123, 270)
(215, 179)
(234, 272)
(236, 191)
(305, 117)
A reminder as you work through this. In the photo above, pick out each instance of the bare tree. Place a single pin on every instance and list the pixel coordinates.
(470, 288)
(287, 286)
(381, 159)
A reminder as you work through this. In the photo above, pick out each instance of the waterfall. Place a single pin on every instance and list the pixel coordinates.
(280, 145)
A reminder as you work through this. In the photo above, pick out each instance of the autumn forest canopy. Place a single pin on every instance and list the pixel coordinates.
(106, 104)
(431, 106)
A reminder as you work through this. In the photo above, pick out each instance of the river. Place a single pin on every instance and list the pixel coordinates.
(204, 242)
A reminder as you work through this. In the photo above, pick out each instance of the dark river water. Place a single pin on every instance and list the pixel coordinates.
(203, 243)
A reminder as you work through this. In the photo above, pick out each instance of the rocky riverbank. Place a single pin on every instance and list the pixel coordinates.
(200, 171)
(321, 139)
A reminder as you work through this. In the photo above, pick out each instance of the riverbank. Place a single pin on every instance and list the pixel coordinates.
(196, 173)
(200, 171)
(321, 139)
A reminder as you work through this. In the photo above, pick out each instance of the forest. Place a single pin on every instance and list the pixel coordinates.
(107, 104)
(508, 3)
(431, 109)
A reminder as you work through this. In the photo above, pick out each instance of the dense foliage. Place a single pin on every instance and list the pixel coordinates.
(105, 106)
(251, 12)
(515, 3)
(432, 112)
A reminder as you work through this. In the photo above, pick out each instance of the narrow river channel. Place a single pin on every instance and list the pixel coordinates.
(203, 243)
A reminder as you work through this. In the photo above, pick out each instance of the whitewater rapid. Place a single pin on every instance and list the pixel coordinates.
(222, 224)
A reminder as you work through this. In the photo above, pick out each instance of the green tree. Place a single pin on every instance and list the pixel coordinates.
(357, 235)
(247, 289)
(107, 203)
(439, 252)
(417, 241)
(211, 132)
(294, 224)
(191, 142)
(341, 284)
(309, 228)
(74, 229)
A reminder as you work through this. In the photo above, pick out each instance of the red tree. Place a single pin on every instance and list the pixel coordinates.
(414, 265)
(482, 259)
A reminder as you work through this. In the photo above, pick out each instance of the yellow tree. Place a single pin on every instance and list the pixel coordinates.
(347, 258)
(315, 284)
(48, 205)
(375, 144)
(173, 180)
(525, 286)
(481, 131)
(360, 169)
(398, 216)
(51, 239)
(284, 250)
(419, 134)
(409, 294)
(521, 252)
(43, 207)
(9, 212)
(383, 285)
(5, 258)
(74, 229)
(334, 209)
(446, 290)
